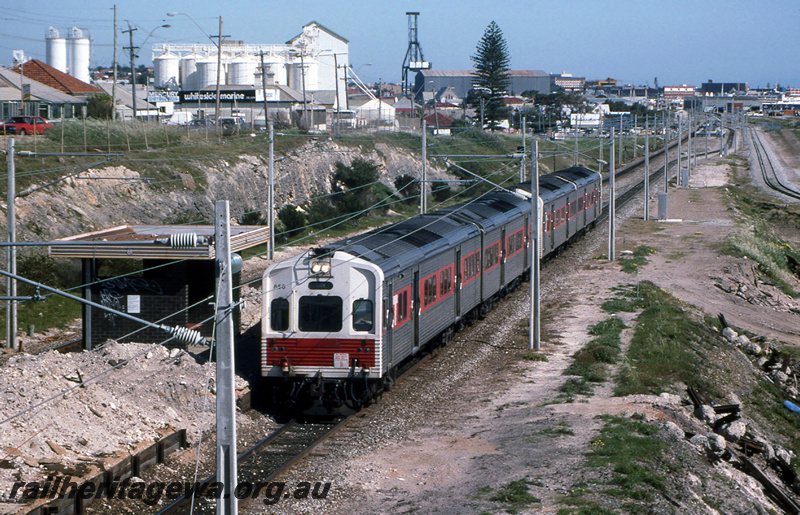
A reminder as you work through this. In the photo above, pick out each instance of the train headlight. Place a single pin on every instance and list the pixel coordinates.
(320, 267)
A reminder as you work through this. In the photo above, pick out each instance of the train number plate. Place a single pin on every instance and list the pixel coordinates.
(341, 360)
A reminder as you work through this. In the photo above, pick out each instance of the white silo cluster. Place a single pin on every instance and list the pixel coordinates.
(70, 54)
(194, 67)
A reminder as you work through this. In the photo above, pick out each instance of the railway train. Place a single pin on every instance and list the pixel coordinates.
(339, 321)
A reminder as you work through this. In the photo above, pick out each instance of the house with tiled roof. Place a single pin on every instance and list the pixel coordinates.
(44, 100)
(49, 76)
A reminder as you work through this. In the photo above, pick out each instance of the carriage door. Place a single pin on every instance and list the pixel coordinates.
(416, 311)
(390, 310)
(458, 283)
(502, 257)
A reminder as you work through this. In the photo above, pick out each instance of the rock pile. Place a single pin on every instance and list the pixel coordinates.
(62, 413)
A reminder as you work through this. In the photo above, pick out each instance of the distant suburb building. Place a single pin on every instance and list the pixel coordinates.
(567, 82)
(712, 88)
(675, 92)
(461, 81)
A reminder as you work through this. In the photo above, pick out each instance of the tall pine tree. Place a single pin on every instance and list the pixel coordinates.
(491, 75)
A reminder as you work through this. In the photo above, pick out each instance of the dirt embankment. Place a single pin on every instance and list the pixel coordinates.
(82, 205)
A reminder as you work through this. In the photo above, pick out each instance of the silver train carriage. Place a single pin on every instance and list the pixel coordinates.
(339, 320)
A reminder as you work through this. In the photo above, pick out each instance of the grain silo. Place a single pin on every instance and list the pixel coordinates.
(206, 74)
(166, 70)
(189, 72)
(79, 49)
(242, 71)
(56, 50)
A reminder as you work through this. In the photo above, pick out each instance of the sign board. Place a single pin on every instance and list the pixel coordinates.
(26, 92)
(272, 95)
(341, 360)
(163, 96)
(244, 95)
(134, 303)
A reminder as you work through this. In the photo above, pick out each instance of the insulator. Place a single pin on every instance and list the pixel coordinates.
(187, 336)
(185, 240)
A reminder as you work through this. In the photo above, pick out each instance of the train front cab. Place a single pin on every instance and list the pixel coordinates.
(321, 319)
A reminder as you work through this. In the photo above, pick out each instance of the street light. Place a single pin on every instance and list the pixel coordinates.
(132, 50)
(218, 44)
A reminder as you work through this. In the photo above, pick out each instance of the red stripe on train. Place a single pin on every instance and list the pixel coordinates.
(319, 352)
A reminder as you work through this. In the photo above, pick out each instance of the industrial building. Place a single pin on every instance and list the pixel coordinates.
(461, 81)
(313, 63)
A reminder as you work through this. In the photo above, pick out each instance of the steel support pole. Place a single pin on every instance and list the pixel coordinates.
(646, 169)
(423, 200)
(535, 329)
(11, 225)
(524, 151)
(612, 204)
(227, 504)
(271, 191)
(666, 153)
(680, 152)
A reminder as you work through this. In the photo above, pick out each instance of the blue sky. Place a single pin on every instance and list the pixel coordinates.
(678, 41)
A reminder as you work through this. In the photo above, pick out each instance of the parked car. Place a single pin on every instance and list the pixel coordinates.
(233, 125)
(23, 125)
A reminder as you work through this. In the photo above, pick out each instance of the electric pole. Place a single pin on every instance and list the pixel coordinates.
(219, 69)
(132, 49)
(11, 312)
(113, 84)
(226, 371)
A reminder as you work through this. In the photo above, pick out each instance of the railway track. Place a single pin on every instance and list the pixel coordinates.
(263, 461)
(768, 172)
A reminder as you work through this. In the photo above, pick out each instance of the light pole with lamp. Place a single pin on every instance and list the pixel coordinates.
(133, 55)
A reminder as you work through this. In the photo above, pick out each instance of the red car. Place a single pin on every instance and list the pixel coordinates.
(23, 125)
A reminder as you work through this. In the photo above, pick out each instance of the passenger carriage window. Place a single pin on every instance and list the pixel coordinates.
(362, 315)
(472, 266)
(445, 281)
(279, 314)
(320, 313)
(429, 290)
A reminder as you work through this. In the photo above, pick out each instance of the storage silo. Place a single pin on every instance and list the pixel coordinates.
(166, 69)
(189, 72)
(242, 71)
(206, 74)
(56, 50)
(79, 54)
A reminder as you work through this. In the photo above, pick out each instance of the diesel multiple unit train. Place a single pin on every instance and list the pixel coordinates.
(339, 320)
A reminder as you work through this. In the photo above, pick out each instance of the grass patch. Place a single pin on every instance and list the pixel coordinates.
(638, 259)
(765, 248)
(628, 299)
(665, 348)
(757, 241)
(533, 356)
(590, 362)
(627, 447)
(515, 495)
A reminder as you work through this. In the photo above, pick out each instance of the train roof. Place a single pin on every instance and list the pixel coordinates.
(393, 246)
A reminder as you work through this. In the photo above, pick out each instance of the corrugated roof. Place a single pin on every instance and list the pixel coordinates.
(123, 242)
(39, 91)
(46, 74)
